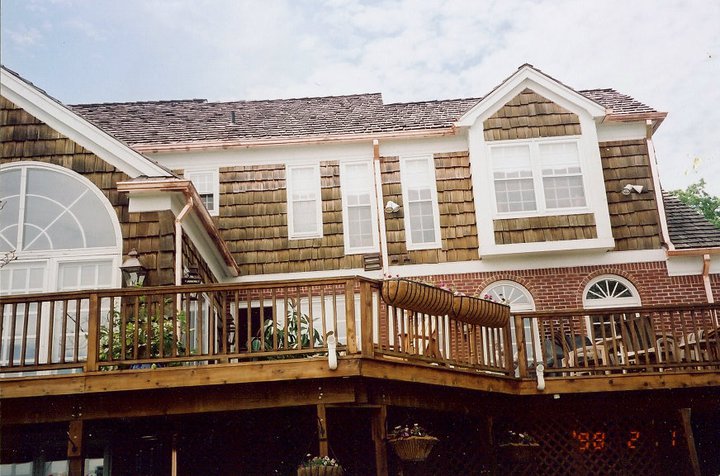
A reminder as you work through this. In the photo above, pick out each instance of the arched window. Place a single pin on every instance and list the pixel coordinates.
(610, 291)
(520, 300)
(61, 229)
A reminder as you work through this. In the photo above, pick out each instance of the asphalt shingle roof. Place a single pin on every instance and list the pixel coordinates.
(197, 120)
(688, 228)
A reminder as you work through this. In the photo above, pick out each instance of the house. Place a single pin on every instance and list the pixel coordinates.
(267, 229)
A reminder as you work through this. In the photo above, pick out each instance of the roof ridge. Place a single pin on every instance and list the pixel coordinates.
(434, 101)
(158, 101)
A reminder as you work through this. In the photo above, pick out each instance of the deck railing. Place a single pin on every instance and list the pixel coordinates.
(122, 329)
(617, 341)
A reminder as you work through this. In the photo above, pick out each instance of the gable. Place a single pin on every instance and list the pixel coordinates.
(530, 115)
(61, 119)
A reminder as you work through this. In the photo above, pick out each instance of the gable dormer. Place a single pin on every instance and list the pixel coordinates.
(537, 169)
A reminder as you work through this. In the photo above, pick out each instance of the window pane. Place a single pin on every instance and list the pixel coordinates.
(559, 153)
(564, 192)
(360, 227)
(422, 222)
(515, 195)
(304, 217)
(511, 157)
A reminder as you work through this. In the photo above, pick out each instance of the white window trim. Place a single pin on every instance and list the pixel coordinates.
(373, 209)
(214, 171)
(633, 301)
(406, 204)
(537, 177)
(292, 234)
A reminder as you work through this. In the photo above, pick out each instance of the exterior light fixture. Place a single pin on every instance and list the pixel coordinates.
(391, 207)
(134, 272)
(630, 188)
(192, 276)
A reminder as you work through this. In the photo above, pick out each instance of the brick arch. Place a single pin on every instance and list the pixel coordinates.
(608, 271)
(524, 282)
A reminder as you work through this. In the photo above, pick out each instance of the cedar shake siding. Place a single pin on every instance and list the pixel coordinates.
(529, 116)
(458, 229)
(192, 258)
(25, 138)
(253, 222)
(634, 218)
(547, 228)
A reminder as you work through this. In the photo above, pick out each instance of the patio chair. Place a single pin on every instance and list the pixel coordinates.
(639, 340)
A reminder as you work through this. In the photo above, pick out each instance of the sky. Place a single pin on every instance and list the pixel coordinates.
(664, 53)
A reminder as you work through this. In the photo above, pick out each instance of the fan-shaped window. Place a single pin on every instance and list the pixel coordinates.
(60, 228)
(610, 291)
(520, 300)
(512, 294)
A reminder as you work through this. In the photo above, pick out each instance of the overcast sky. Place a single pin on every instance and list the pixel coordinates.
(664, 53)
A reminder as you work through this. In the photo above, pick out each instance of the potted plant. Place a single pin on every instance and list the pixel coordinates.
(518, 447)
(411, 442)
(320, 466)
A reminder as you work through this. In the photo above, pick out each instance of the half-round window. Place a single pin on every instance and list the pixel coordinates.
(610, 291)
(511, 293)
(61, 229)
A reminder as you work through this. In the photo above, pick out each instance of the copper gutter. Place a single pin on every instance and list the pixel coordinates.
(185, 187)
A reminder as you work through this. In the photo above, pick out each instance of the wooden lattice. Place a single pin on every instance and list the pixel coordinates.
(600, 445)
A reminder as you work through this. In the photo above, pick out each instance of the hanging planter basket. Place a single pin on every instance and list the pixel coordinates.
(414, 448)
(320, 471)
(480, 311)
(516, 453)
(417, 297)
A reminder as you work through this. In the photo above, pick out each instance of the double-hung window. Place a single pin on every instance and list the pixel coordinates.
(537, 176)
(422, 221)
(304, 202)
(359, 213)
(207, 184)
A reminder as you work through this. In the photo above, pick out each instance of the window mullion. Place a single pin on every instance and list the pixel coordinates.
(537, 177)
(21, 207)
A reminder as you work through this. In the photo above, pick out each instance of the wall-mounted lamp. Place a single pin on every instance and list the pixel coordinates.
(630, 188)
(191, 276)
(391, 207)
(133, 271)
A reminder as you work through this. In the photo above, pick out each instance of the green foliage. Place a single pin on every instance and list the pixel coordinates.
(270, 329)
(696, 197)
(168, 337)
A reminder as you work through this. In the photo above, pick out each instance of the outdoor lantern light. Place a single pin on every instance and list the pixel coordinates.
(192, 276)
(134, 272)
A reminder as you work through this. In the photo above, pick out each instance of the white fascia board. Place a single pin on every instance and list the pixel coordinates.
(77, 129)
(602, 244)
(141, 202)
(338, 273)
(690, 265)
(617, 131)
(528, 77)
(290, 155)
(515, 263)
(427, 146)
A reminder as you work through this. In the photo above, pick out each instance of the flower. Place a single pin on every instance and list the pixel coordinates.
(407, 431)
(518, 439)
(312, 461)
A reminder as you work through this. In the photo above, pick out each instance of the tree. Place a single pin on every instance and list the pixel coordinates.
(696, 197)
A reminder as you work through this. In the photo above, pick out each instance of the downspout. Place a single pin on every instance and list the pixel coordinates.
(379, 205)
(540, 374)
(178, 240)
(658, 190)
(706, 278)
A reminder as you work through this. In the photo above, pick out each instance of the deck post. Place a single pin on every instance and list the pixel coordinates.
(690, 440)
(323, 447)
(379, 435)
(521, 350)
(350, 316)
(91, 365)
(75, 448)
(366, 320)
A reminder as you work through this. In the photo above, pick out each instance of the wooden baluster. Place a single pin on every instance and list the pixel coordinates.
(93, 338)
(350, 316)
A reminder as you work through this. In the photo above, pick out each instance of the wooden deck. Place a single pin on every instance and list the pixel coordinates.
(196, 336)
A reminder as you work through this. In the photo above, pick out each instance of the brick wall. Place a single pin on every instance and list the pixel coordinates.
(562, 288)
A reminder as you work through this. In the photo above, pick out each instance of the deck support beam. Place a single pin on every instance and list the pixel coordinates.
(75, 448)
(379, 434)
(323, 446)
